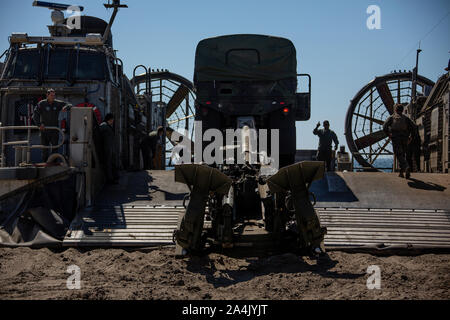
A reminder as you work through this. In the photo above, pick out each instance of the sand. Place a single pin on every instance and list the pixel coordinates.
(157, 274)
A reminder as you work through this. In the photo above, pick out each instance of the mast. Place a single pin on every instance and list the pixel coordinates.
(116, 5)
(414, 85)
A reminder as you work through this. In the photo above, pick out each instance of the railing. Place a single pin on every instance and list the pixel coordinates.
(24, 145)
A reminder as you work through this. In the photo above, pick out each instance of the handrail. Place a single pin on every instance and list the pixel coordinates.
(136, 85)
(28, 146)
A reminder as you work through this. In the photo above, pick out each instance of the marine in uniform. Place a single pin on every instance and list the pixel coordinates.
(108, 148)
(413, 152)
(400, 129)
(326, 138)
(148, 146)
(46, 114)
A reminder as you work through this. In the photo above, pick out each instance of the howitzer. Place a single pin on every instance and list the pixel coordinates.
(210, 188)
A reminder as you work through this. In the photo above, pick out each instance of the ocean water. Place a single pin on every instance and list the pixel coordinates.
(379, 163)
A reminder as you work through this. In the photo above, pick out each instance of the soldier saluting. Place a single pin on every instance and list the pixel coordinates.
(326, 138)
(46, 114)
(400, 128)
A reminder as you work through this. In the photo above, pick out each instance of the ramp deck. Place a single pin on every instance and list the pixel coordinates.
(347, 228)
(124, 226)
(362, 218)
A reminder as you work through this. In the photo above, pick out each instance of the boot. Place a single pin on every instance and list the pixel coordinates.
(408, 173)
(401, 174)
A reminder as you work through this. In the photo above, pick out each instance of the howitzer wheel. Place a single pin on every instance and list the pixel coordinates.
(370, 108)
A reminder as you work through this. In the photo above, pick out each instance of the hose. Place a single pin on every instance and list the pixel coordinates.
(288, 201)
(314, 197)
(21, 206)
(186, 197)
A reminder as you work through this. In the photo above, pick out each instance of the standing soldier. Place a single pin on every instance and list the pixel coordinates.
(326, 137)
(46, 114)
(108, 154)
(400, 128)
(149, 146)
(413, 151)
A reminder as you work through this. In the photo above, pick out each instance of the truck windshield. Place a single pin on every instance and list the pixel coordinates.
(90, 66)
(58, 64)
(25, 65)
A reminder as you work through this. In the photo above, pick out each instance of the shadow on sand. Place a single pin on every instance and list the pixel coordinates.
(418, 184)
(219, 274)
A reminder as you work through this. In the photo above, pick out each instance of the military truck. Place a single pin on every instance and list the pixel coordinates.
(254, 76)
(249, 82)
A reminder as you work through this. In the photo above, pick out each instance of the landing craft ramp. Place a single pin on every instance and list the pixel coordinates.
(361, 211)
(142, 210)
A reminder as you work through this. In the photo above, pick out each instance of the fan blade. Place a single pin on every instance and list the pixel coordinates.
(176, 100)
(386, 96)
(379, 151)
(370, 139)
(377, 121)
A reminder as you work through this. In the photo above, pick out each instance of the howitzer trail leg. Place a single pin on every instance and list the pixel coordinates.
(203, 180)
(189, 235)
(307, 220)
(296, 178)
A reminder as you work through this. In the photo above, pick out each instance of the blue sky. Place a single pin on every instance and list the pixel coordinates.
(332, 40)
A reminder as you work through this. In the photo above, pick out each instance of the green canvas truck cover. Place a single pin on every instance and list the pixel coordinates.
(245, 57)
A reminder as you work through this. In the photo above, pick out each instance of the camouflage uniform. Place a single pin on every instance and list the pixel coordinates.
(47, 114)
(413, 152)
(326, 137)
(107, 150)
(401, 127)
(148, 147)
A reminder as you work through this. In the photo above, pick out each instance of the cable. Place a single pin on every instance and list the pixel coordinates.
(426, 35)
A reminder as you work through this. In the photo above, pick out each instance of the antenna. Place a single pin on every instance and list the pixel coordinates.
(54, 6)
(116, 5)
(413, 111)
(414, 76)
(57, 15)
